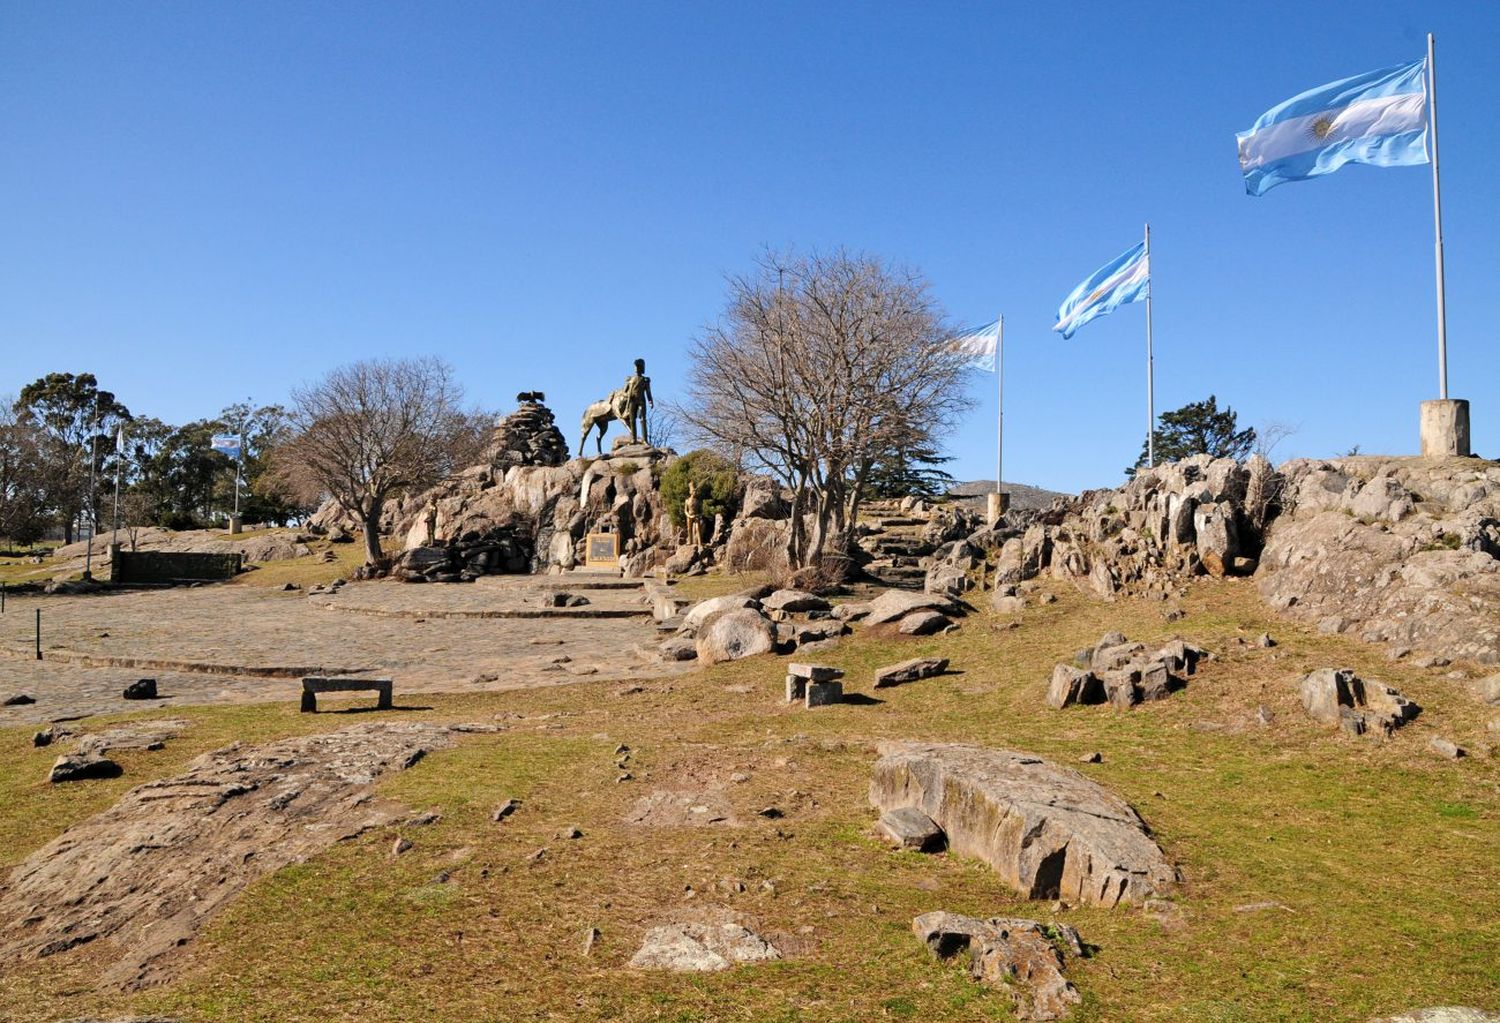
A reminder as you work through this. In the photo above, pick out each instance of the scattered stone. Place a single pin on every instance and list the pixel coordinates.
(590, 939)
(894, 604)
(141, 689)
(1336, 696)
(907, 827)
(1264, 641)
(677, 808)
(19, 700)
(1488, 689)
(1431, 661)
(1007, 604)
(923, 623)
(83, 766)
(733, 635)
(147, 735)
(569, 834)
(1264, 715)
(505, 809)
(851, 612)
(770, 813)
(910, 671)
(1071, 685)
(43, 737)
(1446, 748)
(701, 948)
(1260, 907)
(1023, 957)
(423, 819)
(400, 846)
(290, 587)
(1092, 758)
(678, 648)
(1048, 831)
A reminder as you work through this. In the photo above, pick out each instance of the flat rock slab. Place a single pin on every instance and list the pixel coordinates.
(143, 877)
(909, 671)
(907, 827)
(82, 767)
(894, 604)
(135, 735)
(924, 623)
(1442, 1014)
(1023, 957)
(701, 948)
(794, 602)
(1047, 830)
(671, 808)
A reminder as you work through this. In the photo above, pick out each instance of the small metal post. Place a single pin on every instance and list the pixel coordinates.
(39, 634)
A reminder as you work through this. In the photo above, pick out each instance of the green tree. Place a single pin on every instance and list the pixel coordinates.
(717, 480)
(77, 420)
(910, 472)
(23, 498)
(1198, 428)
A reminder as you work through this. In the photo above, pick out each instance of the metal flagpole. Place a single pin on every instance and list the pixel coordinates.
(1437, 221)
(1000, 402)
(1150, 365)
(114, 532)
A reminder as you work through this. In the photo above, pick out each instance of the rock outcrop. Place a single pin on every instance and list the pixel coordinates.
(701, 948)
(1401, 551)
(1047, 830)
(1336, 696)
(1023, 957)
(142, 878)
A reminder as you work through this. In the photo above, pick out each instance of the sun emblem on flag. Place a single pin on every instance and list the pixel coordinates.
(1322, 128)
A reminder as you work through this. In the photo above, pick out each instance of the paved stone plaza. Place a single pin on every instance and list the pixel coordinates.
(219, 644)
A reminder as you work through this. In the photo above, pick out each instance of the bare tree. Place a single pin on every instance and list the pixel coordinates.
(1271, 433)
(375, 430)
(819, 367)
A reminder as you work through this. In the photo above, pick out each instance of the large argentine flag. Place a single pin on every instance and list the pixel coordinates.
(978, 343)
(1378, 118)
(1116, 283)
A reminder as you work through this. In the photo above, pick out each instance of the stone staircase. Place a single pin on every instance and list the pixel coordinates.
(895, 542)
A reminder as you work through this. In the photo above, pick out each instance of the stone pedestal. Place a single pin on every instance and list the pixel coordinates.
(236, 526)
(996, 505)
(1445, 428)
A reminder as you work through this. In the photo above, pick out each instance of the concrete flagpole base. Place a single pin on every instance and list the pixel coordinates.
(1445, 428)
(996, 506)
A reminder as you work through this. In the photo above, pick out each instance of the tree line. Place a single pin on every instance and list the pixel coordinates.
(64, 441)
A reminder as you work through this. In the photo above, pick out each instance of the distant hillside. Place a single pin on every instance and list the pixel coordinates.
(1021, 496)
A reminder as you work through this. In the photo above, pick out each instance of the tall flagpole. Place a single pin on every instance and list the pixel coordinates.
(1150, 365)
(1000, 401)
(1437, 221)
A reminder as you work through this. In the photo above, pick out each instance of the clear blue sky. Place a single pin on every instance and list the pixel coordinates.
(202, 202)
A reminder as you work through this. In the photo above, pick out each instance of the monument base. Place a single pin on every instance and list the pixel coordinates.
(996, 505)
(1445, 428)
(236, 526)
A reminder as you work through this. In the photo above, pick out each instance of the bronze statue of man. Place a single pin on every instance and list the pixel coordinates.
(632, 400)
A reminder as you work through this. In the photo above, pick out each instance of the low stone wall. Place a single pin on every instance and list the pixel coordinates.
(148, 567)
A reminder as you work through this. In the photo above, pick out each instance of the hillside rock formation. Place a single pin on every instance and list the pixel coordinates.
(1401, 551)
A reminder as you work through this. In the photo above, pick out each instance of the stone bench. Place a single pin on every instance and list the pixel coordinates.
(817, 685)
(311, 687)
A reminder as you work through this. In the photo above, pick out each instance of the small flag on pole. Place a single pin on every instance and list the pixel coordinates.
(978, 344)
(1119, 282)
(227, 444)
(1378, 118)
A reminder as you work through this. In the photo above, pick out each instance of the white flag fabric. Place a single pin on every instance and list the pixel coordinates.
(979, 343)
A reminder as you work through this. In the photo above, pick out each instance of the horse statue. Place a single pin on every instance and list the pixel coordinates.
(614, 409)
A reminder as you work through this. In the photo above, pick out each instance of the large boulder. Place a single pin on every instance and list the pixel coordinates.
(735, 634)
(1337, 696)
(1047, 830)
(895, 604)
(706, 609)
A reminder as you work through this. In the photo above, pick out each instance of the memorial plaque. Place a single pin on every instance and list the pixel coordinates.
(603, 550)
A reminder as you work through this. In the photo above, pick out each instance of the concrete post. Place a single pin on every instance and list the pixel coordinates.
(1445, 428)
(235, 525)
(996, 505)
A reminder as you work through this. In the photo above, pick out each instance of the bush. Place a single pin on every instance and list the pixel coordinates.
(717, 480)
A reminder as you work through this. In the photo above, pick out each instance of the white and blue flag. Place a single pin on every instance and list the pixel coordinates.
(1121, 281)
(1379, 118)
(227, 445)
(978, 344)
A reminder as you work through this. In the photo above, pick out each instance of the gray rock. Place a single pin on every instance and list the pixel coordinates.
(701, 948)
(141, 689)
(733, 635)
(794, 602)
(678, 648)
(910, 671)
(923, 623)
(1442, 1014)
(1488, 689)
(823, 694)
(1336, 696)
(702, 611)
(83, 766)
(852, 611)
(895, 604)
(1021, 957)
(18, 700)
(907, 827)
(1071, 685)
(1007, 604)
(1446, 748)
(1048, 831)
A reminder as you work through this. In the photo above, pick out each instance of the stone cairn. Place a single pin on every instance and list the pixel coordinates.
(528, 436)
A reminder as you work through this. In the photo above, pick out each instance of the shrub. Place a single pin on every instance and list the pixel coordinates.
(717, 480)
